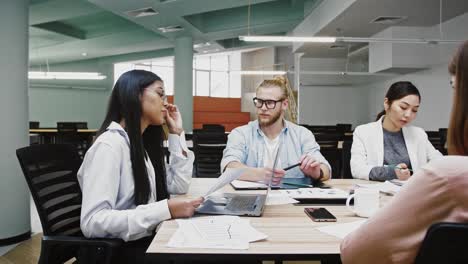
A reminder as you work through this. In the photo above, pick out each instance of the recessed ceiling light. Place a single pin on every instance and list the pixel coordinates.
(169, 29)
(84, 54)
(147, 11)
(201, 45)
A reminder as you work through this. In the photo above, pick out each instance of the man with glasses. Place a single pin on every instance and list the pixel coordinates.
(253, 146)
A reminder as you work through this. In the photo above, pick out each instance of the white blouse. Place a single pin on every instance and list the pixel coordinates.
(106, 180)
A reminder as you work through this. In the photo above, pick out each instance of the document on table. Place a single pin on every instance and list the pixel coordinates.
(316, 193)
(278, 198)
(341, 230)
(228, 176)
(222, 232)
(384, 187)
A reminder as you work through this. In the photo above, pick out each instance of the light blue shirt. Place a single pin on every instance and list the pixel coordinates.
(246, 144)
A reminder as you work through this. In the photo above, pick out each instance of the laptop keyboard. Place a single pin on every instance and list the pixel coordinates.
(241, 203)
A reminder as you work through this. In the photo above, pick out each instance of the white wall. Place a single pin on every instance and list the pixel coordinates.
(436, 95)
(329, 105)
(52, 101)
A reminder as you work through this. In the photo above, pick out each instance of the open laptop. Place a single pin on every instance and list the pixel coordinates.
(238, 204)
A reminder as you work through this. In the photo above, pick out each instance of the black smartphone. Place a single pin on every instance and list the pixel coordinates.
(320, 214)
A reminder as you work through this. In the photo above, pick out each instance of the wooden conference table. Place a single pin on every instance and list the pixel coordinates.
(292, 235)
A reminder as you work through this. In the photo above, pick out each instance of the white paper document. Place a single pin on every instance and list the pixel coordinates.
(384, 187)
(278, 198)
(341, 230)
(228, 176)
(248, 185)
(222, 232)
(316, 193)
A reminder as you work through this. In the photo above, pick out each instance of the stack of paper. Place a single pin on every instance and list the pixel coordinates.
(341, 230)
(316, 193)
(222, 232)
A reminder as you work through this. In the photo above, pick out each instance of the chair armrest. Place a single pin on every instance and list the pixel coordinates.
(83, 241)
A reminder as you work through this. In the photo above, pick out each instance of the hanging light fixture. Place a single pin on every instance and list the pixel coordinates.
(65, 75)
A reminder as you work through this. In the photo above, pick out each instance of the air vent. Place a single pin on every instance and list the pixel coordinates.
(170, 29)
(147, 11)
(388, 20)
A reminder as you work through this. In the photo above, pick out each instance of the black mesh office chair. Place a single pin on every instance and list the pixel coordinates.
(329, 148)
(346, 159)
(444, 243)
(208, 148)
(50, 171)
(67, 133)
(214, 127)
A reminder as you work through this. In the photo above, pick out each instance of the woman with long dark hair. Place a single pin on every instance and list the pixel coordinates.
(437, 193)
(123, 177)
(390, 148)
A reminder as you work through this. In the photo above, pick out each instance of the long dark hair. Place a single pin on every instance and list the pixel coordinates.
(153, 138)
(458, 128)
(125, 103)
(397, 91)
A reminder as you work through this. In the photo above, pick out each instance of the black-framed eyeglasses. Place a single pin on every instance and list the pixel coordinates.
(270, 104)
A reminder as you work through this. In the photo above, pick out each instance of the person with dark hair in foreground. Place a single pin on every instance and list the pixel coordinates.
(123, 177)
(436, 193)
(390, 148)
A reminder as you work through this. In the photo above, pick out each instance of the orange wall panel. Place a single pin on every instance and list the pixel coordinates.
(221, 117)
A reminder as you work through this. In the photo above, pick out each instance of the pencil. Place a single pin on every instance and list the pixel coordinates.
(292, 166)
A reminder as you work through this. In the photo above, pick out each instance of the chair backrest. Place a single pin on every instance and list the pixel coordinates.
(346, 160)
(443, 139)
(344, 127)
(213, 127)
(444, 243)
(208, 148)
(71, 126)
(33, 124)
(50, 171)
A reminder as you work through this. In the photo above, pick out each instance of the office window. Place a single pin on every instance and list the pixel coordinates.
(212, 75)
(163, 67)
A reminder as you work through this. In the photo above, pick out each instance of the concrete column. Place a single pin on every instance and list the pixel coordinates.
(297, 82)
(14, 194)
(183, 80)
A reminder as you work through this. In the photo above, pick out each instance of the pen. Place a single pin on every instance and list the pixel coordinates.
(292, 166)
(396, 167)
(298, 184)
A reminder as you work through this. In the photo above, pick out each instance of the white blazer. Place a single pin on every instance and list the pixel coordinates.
(367, 150)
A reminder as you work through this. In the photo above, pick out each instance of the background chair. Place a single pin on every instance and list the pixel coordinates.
(33, 124)
(50, 171)
(444, 243)
(67, 132)
(208, 148)
(346, 159)
(214, 127)
(329, 148)
(443, 140)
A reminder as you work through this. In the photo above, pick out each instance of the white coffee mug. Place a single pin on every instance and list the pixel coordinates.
(366, 202)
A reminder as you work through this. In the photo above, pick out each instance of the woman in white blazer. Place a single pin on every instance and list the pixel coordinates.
(389, 148)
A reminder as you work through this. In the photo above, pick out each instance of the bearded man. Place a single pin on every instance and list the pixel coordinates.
(253, 146)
